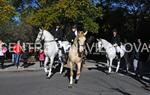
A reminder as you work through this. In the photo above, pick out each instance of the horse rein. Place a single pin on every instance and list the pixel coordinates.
(78, 44)
(78, 48)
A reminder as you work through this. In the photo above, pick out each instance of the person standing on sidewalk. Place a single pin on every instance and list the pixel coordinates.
(25, 57)
(137, 62)
(17, 49)
(41, 57)
(3, 50)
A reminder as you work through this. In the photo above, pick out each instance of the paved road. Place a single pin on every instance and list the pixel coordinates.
(92, 82)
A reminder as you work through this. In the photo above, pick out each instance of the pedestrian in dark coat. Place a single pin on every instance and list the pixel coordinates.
(25, 57)
(136, 55)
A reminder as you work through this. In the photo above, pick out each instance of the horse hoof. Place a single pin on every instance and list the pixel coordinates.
(69, 86)
(60, 73)
(108, 73)
(47, 77)
(76, 81)
(46, 74)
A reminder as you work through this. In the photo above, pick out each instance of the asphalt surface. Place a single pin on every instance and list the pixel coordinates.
(92, 82)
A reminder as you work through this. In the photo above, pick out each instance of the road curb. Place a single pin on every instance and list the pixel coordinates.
(21, 69)
(36, 69)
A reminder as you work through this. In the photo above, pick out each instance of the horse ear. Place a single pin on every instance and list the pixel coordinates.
(40, 29)
(98, 40)
(85, 32)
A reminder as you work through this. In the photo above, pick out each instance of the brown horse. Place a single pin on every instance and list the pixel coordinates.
(75, 56)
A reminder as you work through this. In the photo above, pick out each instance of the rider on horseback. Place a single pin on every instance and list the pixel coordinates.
(116, 42)
(58, 34)
(72, 34)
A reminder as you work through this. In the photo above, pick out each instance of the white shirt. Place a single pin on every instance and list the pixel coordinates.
(1, 53)
(56, 29)
(76, 32)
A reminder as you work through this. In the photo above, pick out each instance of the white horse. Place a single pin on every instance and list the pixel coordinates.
(51, 49)
(65, 45)
(111, 53)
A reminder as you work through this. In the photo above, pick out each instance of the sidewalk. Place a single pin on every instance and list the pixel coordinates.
(32, 67)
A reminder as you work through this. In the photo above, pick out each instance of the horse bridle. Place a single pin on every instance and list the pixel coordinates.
(41, 34)
(101, 43)
(78, 46)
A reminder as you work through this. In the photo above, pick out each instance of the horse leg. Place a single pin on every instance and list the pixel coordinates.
(118, 65)
(107, 63)
(50, 66)
(60, 60)
(110, 65)
(45, 64)
(78, 72)
(62, 65)
(71, 75)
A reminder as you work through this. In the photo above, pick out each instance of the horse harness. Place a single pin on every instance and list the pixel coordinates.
(80, 54)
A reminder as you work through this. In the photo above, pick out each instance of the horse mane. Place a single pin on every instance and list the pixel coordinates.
(48, 33)
(108, 43)
(75, 41)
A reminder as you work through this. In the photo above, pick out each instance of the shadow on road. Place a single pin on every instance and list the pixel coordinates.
(7, 66)
(121, 91)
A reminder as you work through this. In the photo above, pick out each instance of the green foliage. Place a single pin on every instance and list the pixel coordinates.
(66, 11)
(6, 11)
(127, 16)
(10, 32)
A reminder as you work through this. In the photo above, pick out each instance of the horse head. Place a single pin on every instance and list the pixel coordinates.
(40, 35)
(100, 43)
(80, 41)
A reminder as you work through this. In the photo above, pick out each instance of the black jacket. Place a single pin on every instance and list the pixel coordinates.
(116, 40)
(57, 34)
(70, 36)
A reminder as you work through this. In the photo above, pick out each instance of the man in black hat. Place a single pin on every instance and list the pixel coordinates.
(115, 41)
(57, 33)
